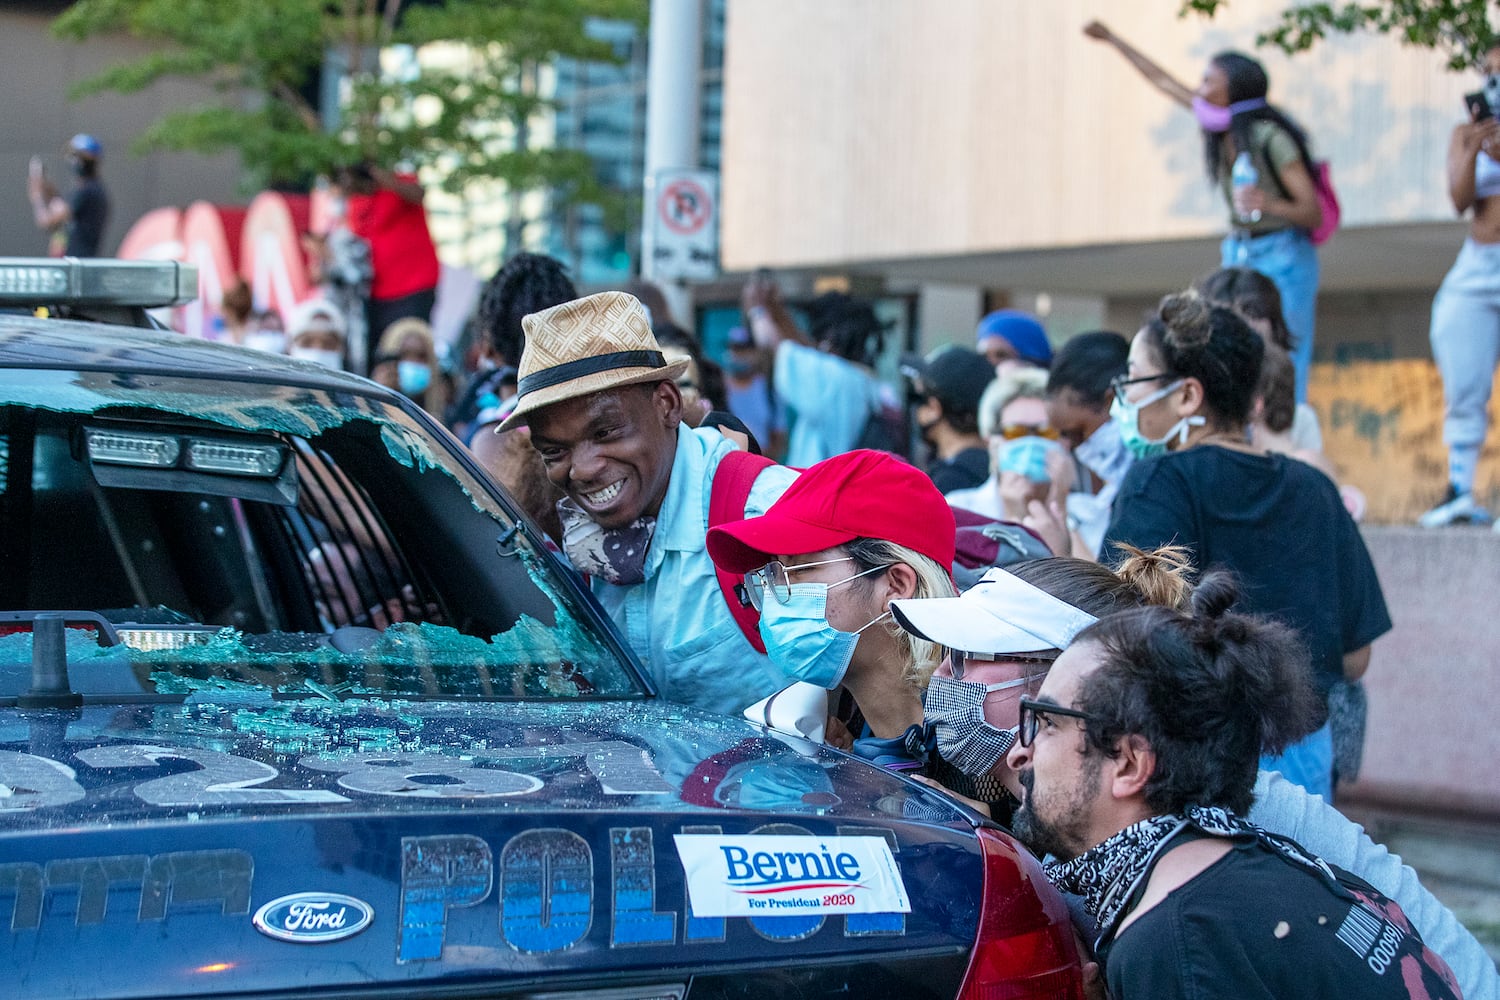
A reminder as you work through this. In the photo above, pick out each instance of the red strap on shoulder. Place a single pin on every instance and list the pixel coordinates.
(726, 502)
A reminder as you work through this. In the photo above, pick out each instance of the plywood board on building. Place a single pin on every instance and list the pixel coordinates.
(1383, 429)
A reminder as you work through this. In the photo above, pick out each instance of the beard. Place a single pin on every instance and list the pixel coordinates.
(1055, 824)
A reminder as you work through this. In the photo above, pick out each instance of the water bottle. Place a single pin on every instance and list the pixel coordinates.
(1245, 175)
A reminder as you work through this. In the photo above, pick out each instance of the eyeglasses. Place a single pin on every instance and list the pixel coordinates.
(775, 577)
(1011, 432)
(1031, 717)
(1120, 383)
(958, 659)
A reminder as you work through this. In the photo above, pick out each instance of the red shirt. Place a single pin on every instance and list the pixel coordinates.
(401, 251)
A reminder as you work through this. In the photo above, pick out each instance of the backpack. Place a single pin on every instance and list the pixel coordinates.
(1328, 199)
(984, 543)
(727, 497)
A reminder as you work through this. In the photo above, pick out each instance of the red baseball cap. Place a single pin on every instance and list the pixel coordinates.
(859, 494)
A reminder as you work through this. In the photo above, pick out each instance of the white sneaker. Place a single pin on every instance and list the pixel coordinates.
(1456, 508)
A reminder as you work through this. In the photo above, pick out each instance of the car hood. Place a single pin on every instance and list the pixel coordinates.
(224, 756)
(194, 848)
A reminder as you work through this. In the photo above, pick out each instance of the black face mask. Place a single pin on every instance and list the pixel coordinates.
(925, 430)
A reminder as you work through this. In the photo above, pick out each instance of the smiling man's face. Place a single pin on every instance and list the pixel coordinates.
(611, 452)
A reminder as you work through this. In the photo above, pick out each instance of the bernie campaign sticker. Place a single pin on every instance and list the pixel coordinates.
(782, 875)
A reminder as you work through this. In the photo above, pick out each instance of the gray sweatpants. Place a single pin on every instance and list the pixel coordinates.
(1465, 337)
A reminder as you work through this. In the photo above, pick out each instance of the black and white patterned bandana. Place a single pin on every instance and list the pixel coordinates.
(1108, 874)
(616, 555)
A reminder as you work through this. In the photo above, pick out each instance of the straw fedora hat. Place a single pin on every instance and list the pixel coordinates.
(585, 346)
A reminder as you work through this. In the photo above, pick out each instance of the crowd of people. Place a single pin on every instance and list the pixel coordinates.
(1140, 674)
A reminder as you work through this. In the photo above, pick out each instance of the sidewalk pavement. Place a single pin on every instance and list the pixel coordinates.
(1458, 861)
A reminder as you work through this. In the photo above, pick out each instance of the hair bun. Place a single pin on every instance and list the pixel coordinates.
(1186, 315)
(1215, 595)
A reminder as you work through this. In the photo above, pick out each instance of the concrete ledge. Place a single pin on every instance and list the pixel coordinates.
(1433, 742)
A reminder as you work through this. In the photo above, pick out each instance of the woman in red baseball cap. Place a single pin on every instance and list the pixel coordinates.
(822, 565)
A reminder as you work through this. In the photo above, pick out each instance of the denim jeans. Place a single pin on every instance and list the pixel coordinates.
(1308, 762)
(1465, 337)
(1290, 260)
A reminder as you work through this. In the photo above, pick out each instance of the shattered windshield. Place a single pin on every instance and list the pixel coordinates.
(201, 534)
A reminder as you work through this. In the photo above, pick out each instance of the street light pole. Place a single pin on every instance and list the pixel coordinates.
(673, 98)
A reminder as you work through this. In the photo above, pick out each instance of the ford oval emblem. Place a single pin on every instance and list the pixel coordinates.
(313, 917)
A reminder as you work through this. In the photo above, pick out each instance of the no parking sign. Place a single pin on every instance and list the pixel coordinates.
(684, 232)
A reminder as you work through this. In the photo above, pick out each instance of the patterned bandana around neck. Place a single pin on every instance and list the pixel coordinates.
(615, 555)
(1108, 874)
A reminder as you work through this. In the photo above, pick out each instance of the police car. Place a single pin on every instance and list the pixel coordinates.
(294, 702)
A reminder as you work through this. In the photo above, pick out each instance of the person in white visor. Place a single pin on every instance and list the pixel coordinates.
(1001, 636)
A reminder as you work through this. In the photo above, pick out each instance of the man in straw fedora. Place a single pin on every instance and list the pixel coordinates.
(606, 418)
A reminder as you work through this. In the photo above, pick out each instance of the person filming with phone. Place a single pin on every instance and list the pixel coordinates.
(1465, 329)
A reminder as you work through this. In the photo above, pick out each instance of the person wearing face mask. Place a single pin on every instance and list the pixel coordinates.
(605, 417)
(748, 392)
(79, 218)
(1078, 400)
(1270, 220)
(1465, 330)
(266, 332)
(317, 334)
(822, 566)
(975, 711)
(947, 387)
(1028, 463)
(406, 360)
(1278, 523)
(999, 638)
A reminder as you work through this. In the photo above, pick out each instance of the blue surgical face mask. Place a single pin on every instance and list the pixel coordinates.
(1026, 456)
(799, 640)
(1128, 416)
(413, 376)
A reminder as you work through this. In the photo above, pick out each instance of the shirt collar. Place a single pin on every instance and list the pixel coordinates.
(682, 523)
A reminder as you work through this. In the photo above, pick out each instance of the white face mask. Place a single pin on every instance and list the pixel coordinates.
(318, 356)
(266, 340)
(1104, 453)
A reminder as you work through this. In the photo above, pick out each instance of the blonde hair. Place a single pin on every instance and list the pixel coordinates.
(922, 655)
(399, 330)
(1018, 383)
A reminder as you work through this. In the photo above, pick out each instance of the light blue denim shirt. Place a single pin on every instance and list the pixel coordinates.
(677, 620)
(830, 401)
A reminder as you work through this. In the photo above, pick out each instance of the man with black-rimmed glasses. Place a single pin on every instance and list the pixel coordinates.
(1138, 760)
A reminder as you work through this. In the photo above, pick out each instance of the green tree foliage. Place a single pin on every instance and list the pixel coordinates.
(259, 57)
(1461, 29)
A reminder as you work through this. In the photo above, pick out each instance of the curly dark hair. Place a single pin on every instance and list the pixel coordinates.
(1214, 345)
(528, 283)
(1209, 690)
(846, 327)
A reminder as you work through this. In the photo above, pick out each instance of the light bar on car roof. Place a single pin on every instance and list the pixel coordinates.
(200, 454)
(157, 451)
(240, 459)
(45, 281)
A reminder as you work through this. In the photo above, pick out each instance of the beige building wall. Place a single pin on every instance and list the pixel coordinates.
(867, 130)
(36, 72)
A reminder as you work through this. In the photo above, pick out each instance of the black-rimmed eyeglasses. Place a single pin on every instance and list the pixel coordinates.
(1121, 382)
(1032, 713)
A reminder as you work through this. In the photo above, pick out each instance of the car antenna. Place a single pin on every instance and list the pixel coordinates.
(49, 667)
